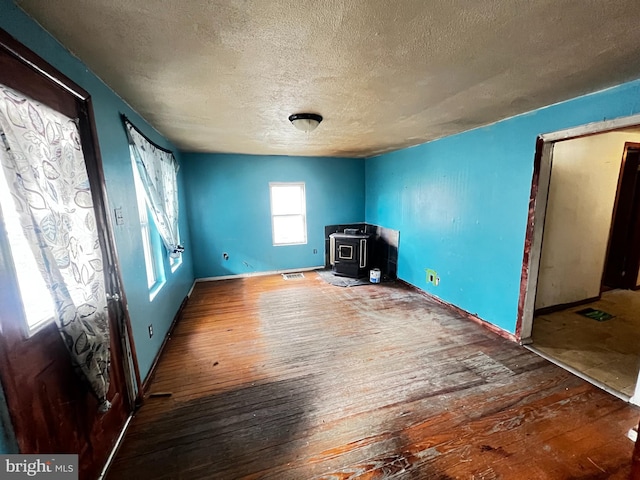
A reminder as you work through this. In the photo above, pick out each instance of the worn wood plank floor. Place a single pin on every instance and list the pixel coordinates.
(298, 379)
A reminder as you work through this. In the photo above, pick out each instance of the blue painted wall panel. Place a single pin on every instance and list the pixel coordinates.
(229, 205)
(461, 203)
(120, 188)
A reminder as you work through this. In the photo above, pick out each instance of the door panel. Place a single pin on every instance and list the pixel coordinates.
(52, 410)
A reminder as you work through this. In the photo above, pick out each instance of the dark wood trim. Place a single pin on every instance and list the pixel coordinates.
(463, 313)
(528, 242)
(152, 370)
(564, 306)
(101, 201)
(37, 64)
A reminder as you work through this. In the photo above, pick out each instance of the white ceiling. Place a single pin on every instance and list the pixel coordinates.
(224, 75)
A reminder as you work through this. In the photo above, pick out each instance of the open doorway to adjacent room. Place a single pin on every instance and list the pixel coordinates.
(580, 304)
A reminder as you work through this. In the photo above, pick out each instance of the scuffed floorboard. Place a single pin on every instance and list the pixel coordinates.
(302, 380)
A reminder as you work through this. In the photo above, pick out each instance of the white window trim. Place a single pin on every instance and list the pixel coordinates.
(154, 272)
(147, 247)
(155, 289)
(175, 262)
(303, 214)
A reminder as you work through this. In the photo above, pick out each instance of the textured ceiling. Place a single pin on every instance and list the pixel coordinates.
(224, 75)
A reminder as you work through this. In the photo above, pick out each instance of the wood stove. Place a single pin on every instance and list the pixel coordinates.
(350, 253)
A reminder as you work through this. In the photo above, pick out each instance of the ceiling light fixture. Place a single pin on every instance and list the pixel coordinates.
(306, 122)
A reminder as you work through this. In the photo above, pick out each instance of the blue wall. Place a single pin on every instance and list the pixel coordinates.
(228, 201)
(461, 203)
(120, 188)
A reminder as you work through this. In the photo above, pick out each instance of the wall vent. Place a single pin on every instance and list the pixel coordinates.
(293, 276)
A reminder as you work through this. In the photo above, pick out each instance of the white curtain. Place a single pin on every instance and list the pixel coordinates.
(42, 158)
(158, 171)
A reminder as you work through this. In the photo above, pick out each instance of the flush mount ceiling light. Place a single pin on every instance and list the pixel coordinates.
(306, 122)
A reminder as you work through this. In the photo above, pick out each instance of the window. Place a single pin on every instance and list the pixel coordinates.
(157, 169)
(37, 303)
(288, 213)
(151, 242)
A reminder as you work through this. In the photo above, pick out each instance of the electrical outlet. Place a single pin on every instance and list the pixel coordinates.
(150, 330)
(432, 277)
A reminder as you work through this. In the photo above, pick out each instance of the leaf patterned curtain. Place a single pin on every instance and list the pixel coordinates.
(158, 171)
(42, 158)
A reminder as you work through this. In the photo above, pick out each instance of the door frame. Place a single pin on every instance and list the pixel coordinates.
(537, 212)
(93, 160)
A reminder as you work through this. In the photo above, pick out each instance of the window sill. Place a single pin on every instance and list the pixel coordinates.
(176, 265)
(153, 292)
(31, 330)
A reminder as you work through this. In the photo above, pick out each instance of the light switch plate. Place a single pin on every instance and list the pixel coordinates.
(119, 217)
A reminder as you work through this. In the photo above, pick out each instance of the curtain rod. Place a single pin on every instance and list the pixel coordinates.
(126, 120)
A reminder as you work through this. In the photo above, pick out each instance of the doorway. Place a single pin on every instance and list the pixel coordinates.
(623, 256)
(578, 306)
(51, 409)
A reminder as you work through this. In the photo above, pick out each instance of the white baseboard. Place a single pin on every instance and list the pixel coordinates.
(193, 285)
(258, 274)
(115, 448)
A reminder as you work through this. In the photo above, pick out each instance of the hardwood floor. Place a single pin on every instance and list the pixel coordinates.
(605, 351)
(299, 379)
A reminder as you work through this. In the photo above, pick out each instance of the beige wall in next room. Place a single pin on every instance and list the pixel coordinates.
(582, 192)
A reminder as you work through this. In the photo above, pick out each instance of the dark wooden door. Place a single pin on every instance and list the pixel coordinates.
(51, 410)
(623, 257)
